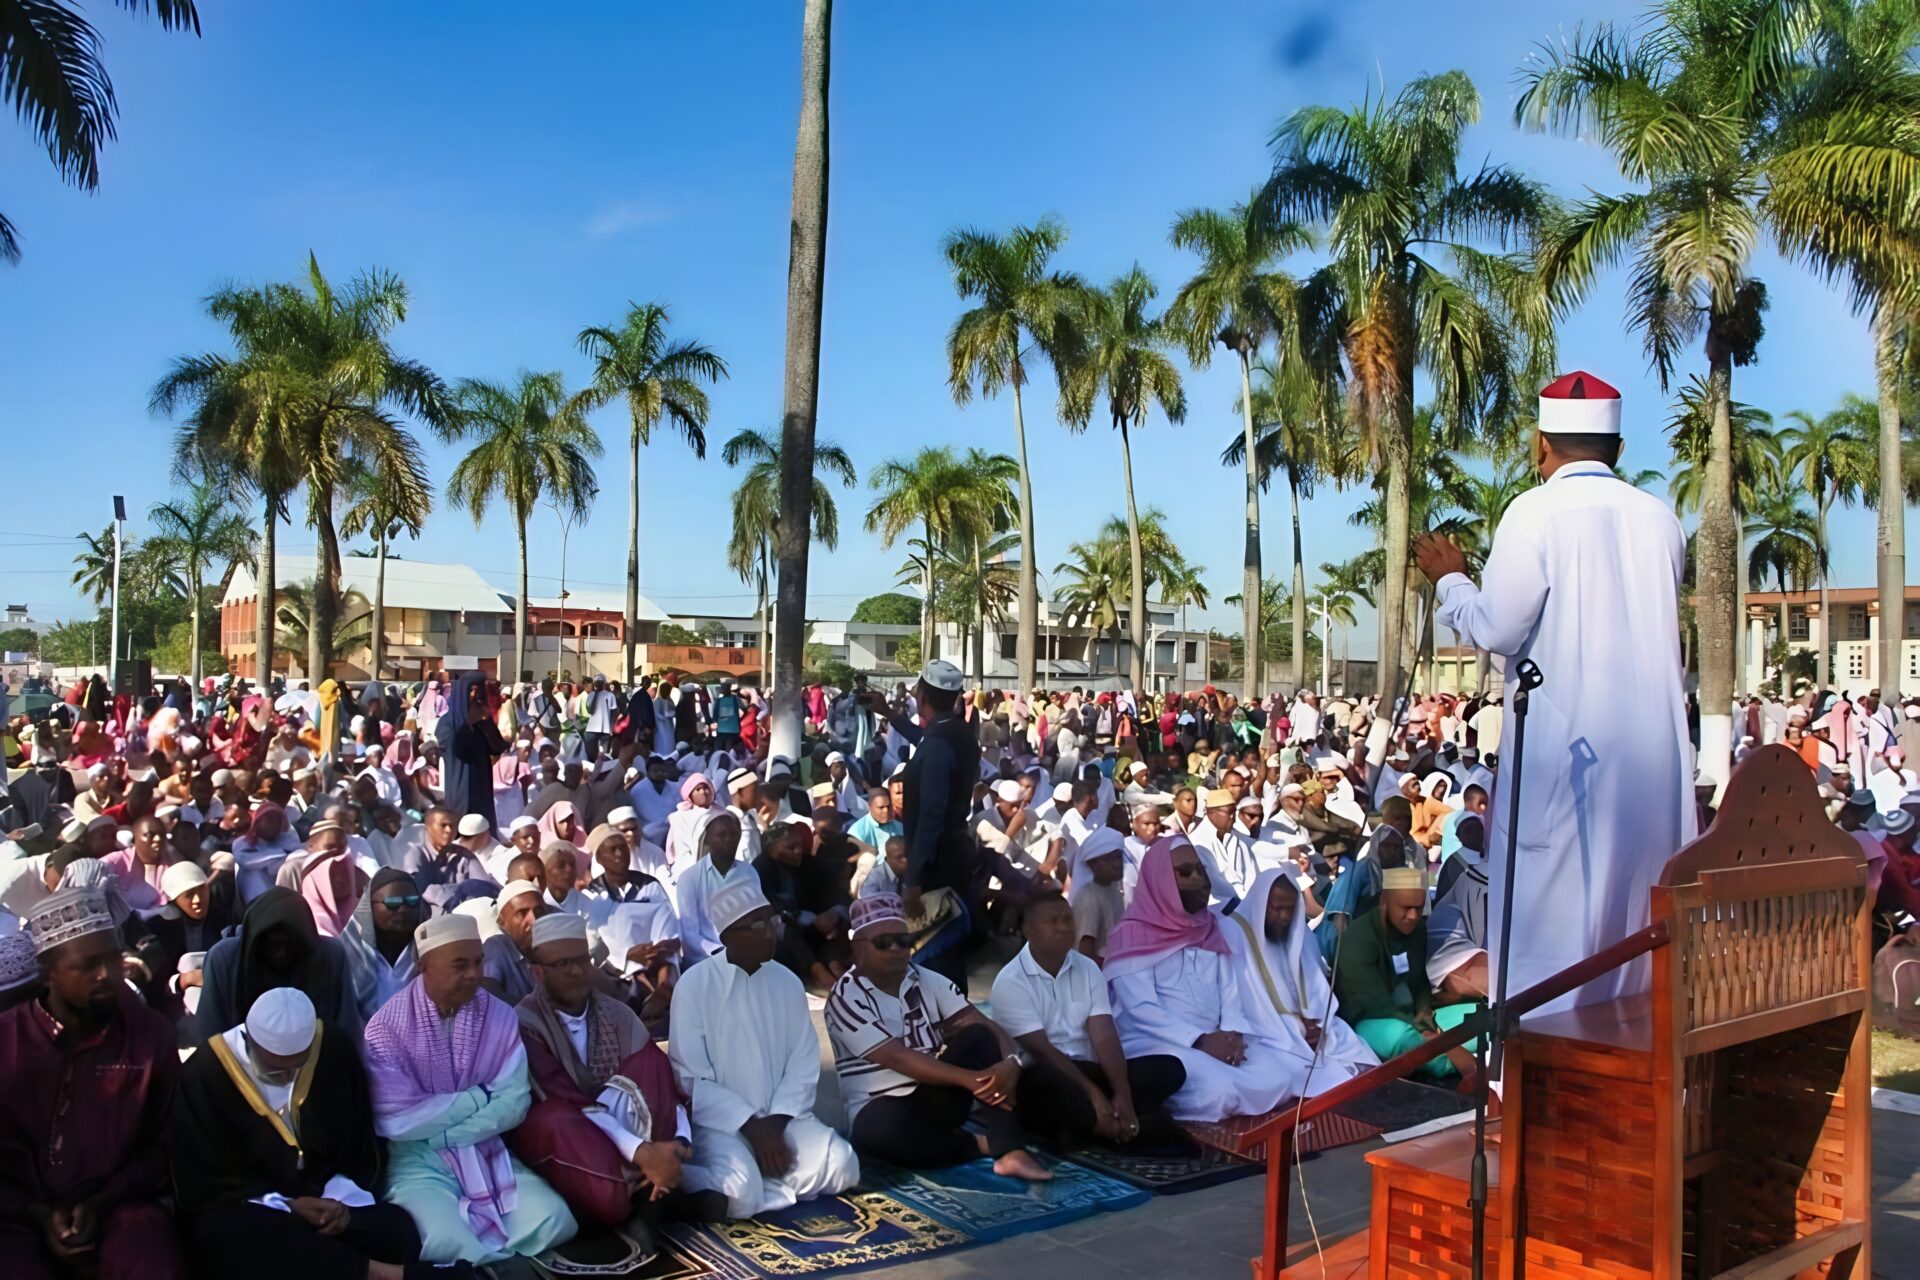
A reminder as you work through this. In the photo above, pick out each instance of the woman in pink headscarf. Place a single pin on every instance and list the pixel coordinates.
(1175, 991)
(559, 823)
(696, 799)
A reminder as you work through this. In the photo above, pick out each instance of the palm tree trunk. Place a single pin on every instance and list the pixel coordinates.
(1786, 690)
(630, 619)
(193, 663)
(1137, 581)
(1299, 672)
(519, 614)
(1026, 638)
(1741, 658)
(926, 593)
(1250, 584)
(1716, 548)
(1890, 561)
(380, 601)
(263, 621)
(1396, 435)
(980, 624)
(1820, 655)
(806, 278)
(1180, 650)
(766, 620)
(326, 590)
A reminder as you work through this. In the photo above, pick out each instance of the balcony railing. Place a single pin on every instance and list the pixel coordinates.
(691, 657)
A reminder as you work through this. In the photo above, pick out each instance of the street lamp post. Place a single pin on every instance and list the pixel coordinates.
(1325, 649)
(113, 637)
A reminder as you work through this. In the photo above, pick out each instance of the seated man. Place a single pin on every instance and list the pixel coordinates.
(914, 1057)
(1382, 978)
(1357, 889)
(1224, 850)
(278, 946)
(606, 1130)
(1457, 930)
(379, 941)
(717, 844)
(439, 864)
(1078, 1083)
(812, 943)
(1170, 975)
(1022, 853)
(449, 1078)
(877, 825)
(89, 1075)
(274, 1157)
(1097, 900)
(507, 956)
(1283, 988)
(745, 1051)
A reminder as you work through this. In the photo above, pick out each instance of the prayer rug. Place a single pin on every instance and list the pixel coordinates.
(1163, 1172)
(974, 1199)
(863, 1228)
(601, 1252)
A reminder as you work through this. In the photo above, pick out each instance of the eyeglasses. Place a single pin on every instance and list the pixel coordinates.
(395, 903)
(890, 942)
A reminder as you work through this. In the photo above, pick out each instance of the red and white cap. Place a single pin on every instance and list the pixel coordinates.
(1579, 404)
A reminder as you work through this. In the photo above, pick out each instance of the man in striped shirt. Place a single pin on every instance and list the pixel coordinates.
(914, 1057)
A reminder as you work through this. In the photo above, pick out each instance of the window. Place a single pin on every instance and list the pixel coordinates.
(439, 620)
(889, 648)
(1797, 624)
(1857, 662)
(1913, 661)
(1163, 653)
(1856, 622)
(1008, 645)
(483, 624)
(1913, 622)
(1192, 652)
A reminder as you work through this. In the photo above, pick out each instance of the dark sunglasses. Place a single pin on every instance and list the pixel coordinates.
(395, 903)
(890, 942)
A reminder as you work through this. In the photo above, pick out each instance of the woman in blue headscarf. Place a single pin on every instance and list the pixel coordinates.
(469, 744)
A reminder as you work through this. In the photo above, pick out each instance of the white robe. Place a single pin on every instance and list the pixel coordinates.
(1584, 579)
(1228, 859)
(743, 1045)
(1281, 983)
(1166, 1005)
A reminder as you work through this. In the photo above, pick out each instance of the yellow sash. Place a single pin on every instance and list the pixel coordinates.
(251, 1092)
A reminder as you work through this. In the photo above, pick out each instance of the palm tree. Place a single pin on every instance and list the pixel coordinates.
(1786, 544)
(1300, 434)
(935, 491)
(1125, 357)
(1407, 289)
(1185, 585)
(756, 508)
(200, 531)
(976, 582)
(294, 619)
(660, 381)
(51, 72)
(1342, 586)
(1755, 456)
(318, 385)
(1834, 462)
(1093, 583)
(1017, 302)
(1238, 299)
(94, 576)
(531, 444)
(385, 504)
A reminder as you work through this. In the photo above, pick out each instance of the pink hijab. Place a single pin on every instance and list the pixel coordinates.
(558, 823)
(688, 783)
(1156, 923)
(332, 887)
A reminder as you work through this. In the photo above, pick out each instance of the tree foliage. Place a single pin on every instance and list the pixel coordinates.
(889, 608)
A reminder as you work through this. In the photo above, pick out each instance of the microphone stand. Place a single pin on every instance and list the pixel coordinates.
(1491, 1045)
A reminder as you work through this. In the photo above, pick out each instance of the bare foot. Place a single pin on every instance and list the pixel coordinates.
(1018, 1164)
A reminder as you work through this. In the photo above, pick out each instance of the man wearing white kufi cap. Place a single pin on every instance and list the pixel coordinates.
(273, 1152)
(718, 848)
(1584, 579)
(89, 1076)
(744, 1049)
(743, 802)
(449, 1079)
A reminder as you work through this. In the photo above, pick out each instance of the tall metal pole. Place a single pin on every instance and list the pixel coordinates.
(113, 639)
(1326, 645)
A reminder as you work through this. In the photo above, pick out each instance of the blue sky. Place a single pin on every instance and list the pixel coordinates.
(529, 178)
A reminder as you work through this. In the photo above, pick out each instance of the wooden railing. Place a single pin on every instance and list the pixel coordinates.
(1277, 1133)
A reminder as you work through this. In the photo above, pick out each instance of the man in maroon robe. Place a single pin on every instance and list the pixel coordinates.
(605, 1128)
(89, 1074)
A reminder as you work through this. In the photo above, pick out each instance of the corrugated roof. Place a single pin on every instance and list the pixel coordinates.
(411, 584)
(598, 601)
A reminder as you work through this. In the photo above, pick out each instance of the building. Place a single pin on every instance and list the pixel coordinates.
(1854, 635)
(1076, 654)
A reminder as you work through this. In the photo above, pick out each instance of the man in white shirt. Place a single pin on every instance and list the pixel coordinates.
(1304, 718)
(385, 784)
(849, 793)
(1006, 829)
(654, 800)
(1078, 1084)
(743, 802)
(718, 842)
(1138, 792)
(1076, 824)
(745, 1051)
(597, 711)
(1225, 852)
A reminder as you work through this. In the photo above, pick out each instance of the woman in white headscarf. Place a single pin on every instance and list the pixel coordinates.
(1283, 989)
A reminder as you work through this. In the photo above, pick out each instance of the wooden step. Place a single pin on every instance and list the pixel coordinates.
(1345, 1260)
(1422, 1218)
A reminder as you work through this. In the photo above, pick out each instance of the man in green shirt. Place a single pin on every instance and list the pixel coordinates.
(1381, 978)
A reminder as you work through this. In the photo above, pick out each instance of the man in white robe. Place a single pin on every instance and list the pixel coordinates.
(1224, 850)
(745, 1051)
(1584, 579)
(1170, 977)
(1283, 989)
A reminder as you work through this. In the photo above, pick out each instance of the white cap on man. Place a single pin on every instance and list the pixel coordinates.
(733, 902)
(473, 824)
(444, 931)
(282, 1021)
(1008, 790)
(943, 675)
(1579, 404)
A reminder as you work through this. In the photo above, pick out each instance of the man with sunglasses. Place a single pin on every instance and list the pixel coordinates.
(744, 1049)
(382, 960)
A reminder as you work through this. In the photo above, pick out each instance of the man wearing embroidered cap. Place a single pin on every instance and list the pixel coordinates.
(1382, 980)
(449, 1078)
(274, 1156)
(89, 1074)
(938, 790)
(1584, 578)
(745, 1051)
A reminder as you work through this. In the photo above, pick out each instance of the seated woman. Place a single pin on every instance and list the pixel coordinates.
(1170, 975)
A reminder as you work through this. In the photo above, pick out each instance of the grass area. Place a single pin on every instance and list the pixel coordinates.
(1896, 1062)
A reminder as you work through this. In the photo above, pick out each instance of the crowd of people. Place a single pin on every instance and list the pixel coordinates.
(432, 977)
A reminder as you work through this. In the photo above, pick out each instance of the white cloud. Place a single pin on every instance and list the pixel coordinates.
(622, 216)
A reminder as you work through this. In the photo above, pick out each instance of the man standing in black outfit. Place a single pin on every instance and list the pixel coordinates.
(939, 794)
